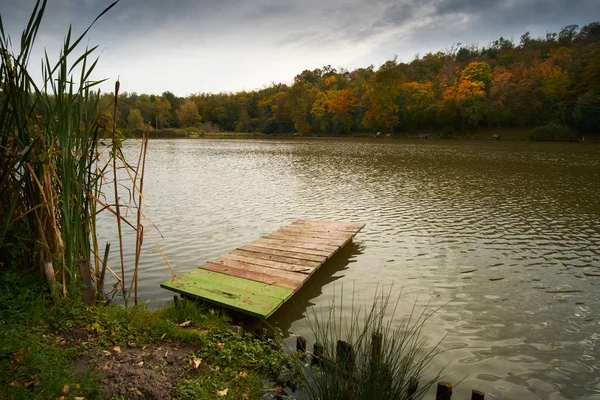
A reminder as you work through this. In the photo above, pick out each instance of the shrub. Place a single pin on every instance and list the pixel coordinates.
(552, 132)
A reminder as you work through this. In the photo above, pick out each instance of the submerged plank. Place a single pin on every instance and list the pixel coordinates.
(339, 226)
(316, 233)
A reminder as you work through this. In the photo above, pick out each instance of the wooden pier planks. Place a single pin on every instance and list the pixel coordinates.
(259, 277)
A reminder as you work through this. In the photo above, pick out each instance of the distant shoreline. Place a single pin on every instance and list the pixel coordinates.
(503, 134)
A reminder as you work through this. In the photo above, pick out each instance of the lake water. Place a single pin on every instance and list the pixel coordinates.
(505, 235)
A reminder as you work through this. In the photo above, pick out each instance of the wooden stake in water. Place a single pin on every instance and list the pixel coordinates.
(444, 391)
(345, 356)
(477, 395)
(318, 351)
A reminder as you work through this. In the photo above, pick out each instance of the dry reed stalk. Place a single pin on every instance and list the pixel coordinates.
(140, 227)
(173, 276)
(116, 189)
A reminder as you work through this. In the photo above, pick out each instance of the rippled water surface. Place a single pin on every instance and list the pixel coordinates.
(507, 234)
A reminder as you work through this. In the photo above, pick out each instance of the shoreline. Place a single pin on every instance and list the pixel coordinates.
(491, 134)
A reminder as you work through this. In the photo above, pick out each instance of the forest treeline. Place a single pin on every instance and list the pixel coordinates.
(553, 79)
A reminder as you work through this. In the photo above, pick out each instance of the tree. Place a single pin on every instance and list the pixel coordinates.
(419, 104)
(587, 112)
(135, 119)
(188, 114)
(568, 34)
(301, 96)
(382, 110)
(341, 104)
(502, 89)
(319, 112)
(463, 104)
(477, 72)
(162, 112)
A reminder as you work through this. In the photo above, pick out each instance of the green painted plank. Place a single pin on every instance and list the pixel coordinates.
(243, 295)
(240, 284)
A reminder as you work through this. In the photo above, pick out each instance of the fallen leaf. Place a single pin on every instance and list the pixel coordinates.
(117, 350)
(220, 345)
(34, 382)
(243, 374)
(106, 352)
(18, 357)
(78, 398)
(14, 384)
(65, 389)
(196, 362)
(244, 397)
(105, 367)
(222, 393)
(141, 363)
(184, 324)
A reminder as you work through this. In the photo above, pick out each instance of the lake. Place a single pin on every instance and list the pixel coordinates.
(504, 235)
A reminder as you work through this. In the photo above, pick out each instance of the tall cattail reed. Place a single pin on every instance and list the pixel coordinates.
(51, 167)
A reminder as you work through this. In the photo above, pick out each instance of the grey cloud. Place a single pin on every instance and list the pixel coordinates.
(398, 13)
(468, 6)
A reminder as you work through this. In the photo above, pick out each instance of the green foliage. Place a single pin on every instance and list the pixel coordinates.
(135, 119)
(587, 112)
(237, 364)
(188, 114)
(43, 350)
(34, 361)
(48, 152)
(552, 132)
(37, 365)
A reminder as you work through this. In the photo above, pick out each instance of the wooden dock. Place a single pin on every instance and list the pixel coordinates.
(257, 278)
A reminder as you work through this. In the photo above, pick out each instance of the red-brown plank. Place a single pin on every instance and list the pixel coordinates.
(294, 276)
(327, 249)
(253, 275)
(267, 263)
(306, 239)
(273, 257)
(284, 253)
(282, 246)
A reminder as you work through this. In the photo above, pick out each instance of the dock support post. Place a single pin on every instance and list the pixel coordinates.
(318, 351)
(413, 386)
(300, 344)
(345, 356)
(477, 395)
(444, 391)
(376, 347)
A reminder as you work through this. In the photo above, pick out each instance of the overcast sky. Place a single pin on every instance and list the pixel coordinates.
(192, 46)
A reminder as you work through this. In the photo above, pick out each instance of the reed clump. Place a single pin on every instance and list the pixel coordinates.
(380, 357)
(53, 166)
